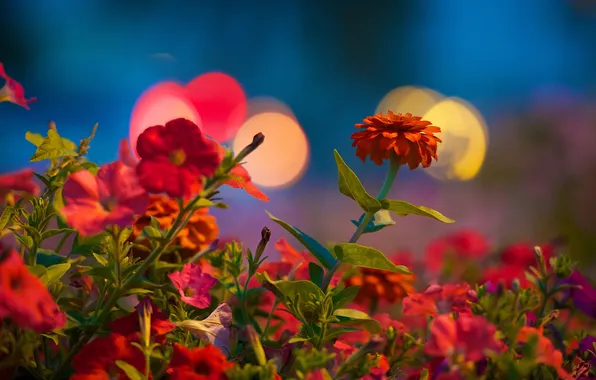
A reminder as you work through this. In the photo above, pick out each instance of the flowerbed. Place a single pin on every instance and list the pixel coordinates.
(117, 273)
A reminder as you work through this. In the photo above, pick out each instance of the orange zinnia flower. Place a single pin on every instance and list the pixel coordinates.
(199, 233)
(381, 285)
(409, 137)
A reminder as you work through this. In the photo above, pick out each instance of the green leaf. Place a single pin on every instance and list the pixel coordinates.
(100, 259)
(129, 370)
(317, 249)
(85, 245)
(6, 217)
(350, 317)
(26, 240)
(402, 208)
(48, 257)
(38, 270)
(54, 273)
(291, 289)
(152, 232)
(367, 257)
(49, 233)
(350, 186)
(345, 296)
(34, 138)
(53, 146)
(316, 274)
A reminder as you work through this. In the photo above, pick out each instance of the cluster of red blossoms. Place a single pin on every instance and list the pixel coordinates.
(147, 294)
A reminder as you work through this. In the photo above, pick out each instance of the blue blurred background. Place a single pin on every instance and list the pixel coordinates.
(332, 62)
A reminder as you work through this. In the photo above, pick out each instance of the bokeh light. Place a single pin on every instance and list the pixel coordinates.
(264, 104)
(159, 104)
(412, 99)
(221, 102)
(465, 140)
(284, 155)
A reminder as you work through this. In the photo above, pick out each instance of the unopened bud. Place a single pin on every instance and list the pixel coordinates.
(52, 125)
(257, 140)
(540, 259)
(265, 237)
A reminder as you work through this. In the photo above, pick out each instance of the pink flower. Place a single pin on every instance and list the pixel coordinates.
(23, 180)
(111, 197)
(469, 337)
(193, 285)
(13, 91)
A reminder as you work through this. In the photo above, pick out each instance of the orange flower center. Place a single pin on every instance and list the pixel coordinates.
(177, 157)
(189, 292)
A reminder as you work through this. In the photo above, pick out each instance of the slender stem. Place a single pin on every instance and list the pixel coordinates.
(65, 237)
(394, 164)
(270, 317)
(211, 185)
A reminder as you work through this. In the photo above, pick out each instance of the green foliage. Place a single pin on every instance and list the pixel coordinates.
(356, 318)
(380, 220)
(252, 372)
(349, 185)
(53, 146)
(367, 257)
(402, 208)
(321, 253)
(129, 370)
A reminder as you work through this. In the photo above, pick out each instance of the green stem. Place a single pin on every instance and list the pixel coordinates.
(211, 185)
(270, 317)
(65, 237)
(394, 164)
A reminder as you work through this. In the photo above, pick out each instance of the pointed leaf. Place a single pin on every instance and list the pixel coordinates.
(129, 370)
(350, 317)
(290, 289)
(52, 147)
(367, 257)
(49, 233)
(350, 186)
(345, 296)
(402, 208)
(48, 257)
(54, 273)
(318, 251)
(6, 217)
(34, 138)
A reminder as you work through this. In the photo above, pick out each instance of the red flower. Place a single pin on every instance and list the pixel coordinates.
(467, 337)
(241, 179)
(111, 197)
(24, 298)
(546, 353)
(97, 360)
(417, 304)
(129, 326)
(206, 363)
(13, 91)
(452, 297)
(462, 245)
(174, 158)
(22, 180)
